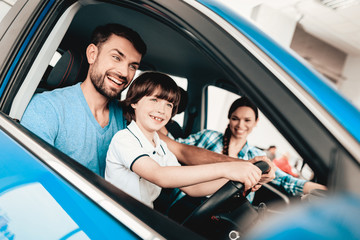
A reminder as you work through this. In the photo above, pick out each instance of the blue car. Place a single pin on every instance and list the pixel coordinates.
(45, 194)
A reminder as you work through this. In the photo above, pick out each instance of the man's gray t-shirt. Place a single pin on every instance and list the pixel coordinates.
(63, 118)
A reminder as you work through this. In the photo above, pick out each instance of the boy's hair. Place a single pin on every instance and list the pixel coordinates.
(102, 33)
(145, 85)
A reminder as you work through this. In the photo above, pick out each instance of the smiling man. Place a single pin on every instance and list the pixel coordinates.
(80, 120)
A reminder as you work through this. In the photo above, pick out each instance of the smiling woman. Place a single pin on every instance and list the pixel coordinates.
(242, 118)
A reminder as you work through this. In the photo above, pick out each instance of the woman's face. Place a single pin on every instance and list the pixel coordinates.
(242, 121)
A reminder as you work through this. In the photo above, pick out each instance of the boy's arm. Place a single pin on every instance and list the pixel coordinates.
(184, 176)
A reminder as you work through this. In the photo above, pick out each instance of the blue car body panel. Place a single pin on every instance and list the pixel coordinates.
(335, 218)
(344, 112)
(33, 199)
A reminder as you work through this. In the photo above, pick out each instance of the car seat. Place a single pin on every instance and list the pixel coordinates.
(172, 126)
(71, 68)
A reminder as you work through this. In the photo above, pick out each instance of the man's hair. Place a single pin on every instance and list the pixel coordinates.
(146, 85)
(102, 33)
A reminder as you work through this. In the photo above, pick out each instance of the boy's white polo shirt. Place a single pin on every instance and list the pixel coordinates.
(125, 148)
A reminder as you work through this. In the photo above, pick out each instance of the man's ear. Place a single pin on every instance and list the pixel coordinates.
(91, 53)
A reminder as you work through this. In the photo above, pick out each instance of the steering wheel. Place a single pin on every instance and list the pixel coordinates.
(206, 209)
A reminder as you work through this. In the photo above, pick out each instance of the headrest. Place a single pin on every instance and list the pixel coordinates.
(71, 68)
(183, 100)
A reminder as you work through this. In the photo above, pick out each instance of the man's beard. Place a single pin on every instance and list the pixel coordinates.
(98, 82)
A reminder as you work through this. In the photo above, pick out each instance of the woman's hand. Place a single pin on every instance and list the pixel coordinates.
(309, 186)
(269, 175)
(244, 172)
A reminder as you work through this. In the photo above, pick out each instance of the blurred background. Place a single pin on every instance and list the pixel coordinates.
(326, 33)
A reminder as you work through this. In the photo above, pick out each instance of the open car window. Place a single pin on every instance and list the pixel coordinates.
(185, 53)
(264, 135)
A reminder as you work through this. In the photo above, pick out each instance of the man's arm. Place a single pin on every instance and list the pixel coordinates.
(41, 119)
(192, 155)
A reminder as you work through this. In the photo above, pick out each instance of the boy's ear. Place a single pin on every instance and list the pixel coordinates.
(133, 105)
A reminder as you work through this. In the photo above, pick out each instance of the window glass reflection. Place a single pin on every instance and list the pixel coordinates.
(30, 212)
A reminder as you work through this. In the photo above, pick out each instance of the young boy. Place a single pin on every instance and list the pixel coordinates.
(140, 164)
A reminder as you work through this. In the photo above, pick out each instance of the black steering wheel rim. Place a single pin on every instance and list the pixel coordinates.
(207, 208)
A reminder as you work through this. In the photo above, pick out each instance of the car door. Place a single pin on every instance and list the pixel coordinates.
(43, 181)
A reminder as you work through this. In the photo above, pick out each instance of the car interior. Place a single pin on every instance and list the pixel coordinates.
(174, 48)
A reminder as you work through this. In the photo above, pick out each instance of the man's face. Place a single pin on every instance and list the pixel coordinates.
(114, 67)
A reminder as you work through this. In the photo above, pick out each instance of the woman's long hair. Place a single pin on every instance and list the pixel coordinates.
(240, 102)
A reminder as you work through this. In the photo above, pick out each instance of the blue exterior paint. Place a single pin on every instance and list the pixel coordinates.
(336, 217)
(24, 46)
(344, 112)
(18, 169)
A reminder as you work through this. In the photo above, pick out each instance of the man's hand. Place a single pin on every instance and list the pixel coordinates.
(164, 131)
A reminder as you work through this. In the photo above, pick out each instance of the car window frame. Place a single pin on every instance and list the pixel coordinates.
(19, 42)
(41, 62)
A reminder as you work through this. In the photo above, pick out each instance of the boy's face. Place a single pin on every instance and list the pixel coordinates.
(152, 113)
(114, 65)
